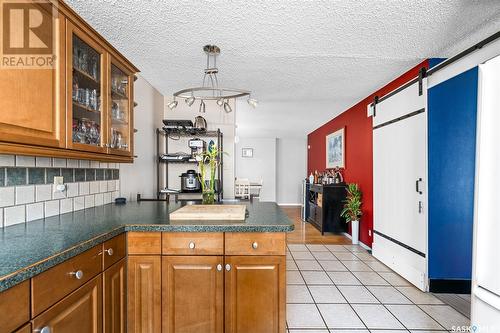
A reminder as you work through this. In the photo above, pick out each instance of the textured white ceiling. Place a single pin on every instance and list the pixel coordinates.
(329, 54)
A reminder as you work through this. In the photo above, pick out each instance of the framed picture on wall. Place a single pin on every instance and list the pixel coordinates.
(335, 150)
(246, 152)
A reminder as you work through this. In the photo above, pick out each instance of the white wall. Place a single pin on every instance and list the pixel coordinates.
(216, 118)
(262, 166)
(291, 169)
(140, 177)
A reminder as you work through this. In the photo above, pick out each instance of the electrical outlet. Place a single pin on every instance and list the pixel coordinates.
(369, 233)
(59, 184)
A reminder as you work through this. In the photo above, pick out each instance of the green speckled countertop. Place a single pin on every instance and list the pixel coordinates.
(29, 249)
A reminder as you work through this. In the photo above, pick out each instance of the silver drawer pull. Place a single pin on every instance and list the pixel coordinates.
(219, 267)
(109, 251)
(228, 267)
(192, 245)
(255, 245)
(45, 329)
(78, 274)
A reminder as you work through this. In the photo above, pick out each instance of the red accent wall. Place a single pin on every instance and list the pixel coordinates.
(358, 147)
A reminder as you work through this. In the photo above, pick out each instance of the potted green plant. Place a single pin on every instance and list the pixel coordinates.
(207, 164)
(352, 210)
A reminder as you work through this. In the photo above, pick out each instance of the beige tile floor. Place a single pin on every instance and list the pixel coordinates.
(344, 289)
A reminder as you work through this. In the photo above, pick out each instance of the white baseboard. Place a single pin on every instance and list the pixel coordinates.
(363, 245)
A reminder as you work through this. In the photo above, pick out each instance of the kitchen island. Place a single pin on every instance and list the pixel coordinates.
(188, 276)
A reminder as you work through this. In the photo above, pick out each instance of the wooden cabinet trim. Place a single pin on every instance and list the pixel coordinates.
(52, 285)
(15, 307)
(144, 294)
(192, 243)
(114, 250)
(25, 329)
(193, 303)
(114, 298)
(144, 243)
(267, 243)
(88, 296)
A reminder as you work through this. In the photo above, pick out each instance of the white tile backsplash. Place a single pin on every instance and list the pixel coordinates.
(78, 203)
(25, 194)
(89, 201)
(51, 208)
(14, 215)
(7, 196)
(83, 188)
(94, 187)
(71, 190)
(19, 204)
(25, 161)
(59, 163)
(43, 192)
(43, 162)
(99, 199)
(66, 206)
(7, 160)
(34, 211)
(72, 163)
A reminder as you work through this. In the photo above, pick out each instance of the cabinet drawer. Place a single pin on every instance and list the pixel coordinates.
(14, 307)
(54, 284)
(255, 243)
(144, 242)
(114, 250)
(190, 243)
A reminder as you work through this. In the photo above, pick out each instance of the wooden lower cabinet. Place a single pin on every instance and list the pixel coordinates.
(192, 294)
(255, 294)
(80, 311)
(114, 300)
(144, 294)
(24, 329)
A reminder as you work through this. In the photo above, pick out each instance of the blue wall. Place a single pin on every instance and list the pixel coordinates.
(452, 109)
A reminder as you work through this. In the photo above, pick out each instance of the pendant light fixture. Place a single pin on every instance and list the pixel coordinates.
(210, 89)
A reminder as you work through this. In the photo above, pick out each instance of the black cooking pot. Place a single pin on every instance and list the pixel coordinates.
(190, 181)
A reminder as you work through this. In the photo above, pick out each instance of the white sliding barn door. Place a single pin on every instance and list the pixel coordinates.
(399, 184)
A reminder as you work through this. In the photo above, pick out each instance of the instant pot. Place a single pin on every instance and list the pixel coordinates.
(190, 181)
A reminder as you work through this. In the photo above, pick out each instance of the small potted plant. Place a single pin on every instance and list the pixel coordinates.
(352, 210)
(209, 158)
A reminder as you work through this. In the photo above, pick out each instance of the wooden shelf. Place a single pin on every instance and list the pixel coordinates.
(117, 95)
(86, 108)
(86, 76)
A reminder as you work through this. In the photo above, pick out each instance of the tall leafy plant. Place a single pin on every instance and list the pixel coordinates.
(352, 205)
(208, 163)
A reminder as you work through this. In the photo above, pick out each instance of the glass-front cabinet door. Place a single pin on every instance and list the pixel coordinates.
(86, 105)
(120, 109)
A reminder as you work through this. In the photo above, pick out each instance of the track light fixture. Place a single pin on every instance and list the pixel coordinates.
(202, 107)
(227, 107)
(190, 100)
(172, 105)
(252, 102)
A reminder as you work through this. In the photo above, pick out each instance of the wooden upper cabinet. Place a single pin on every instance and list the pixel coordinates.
(81, 311)
(114, 301)
(32, 101)
(192, 294)
(255, 294)
(144, 294)
(121, 106)
(86, 73)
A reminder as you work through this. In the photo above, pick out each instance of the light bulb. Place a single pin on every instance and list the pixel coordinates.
(172, 105)
(220, 102)
(190, 100)
(252, 102)
(227, 107)
(202, 107)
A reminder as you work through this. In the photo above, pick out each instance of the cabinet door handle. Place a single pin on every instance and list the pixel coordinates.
(219, 267)
(417, 185)
(255, 245)
(109, 251)
(228, 267)
(192, 245)
(78, 274)
(44, 329)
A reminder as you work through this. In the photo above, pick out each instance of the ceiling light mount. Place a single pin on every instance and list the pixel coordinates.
(210, 89)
